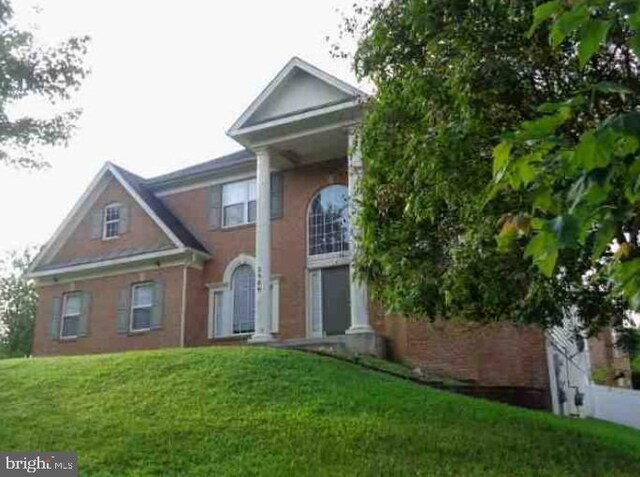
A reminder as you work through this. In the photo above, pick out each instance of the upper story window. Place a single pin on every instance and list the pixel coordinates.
(239, 203)
(112, 221)
(329, 221)
(71, 312)
(141, 306)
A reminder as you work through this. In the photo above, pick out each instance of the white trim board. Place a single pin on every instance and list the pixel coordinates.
(86, 267)
(294, 63)
(306, 133)
(99, 274)
(61, 234)
(295, 117)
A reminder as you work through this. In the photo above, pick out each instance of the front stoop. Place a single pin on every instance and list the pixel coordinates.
(370, 344)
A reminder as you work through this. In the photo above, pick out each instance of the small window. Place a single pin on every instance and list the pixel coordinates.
(111, 221)
(71, 311)
(218, 310)
(141, 306)
(239, 203)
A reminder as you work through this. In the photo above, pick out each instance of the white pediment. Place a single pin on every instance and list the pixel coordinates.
(299, 88)
(299, 92)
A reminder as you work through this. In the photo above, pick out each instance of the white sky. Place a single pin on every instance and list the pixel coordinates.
(168, 79)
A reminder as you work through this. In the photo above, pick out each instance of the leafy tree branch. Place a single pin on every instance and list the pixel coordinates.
(28, 69)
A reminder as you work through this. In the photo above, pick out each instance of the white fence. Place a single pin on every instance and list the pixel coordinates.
(618, 405)
(573, 393)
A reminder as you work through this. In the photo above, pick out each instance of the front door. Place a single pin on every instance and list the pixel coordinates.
(335, 300)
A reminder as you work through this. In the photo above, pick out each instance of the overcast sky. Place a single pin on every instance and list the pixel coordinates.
(168, 79)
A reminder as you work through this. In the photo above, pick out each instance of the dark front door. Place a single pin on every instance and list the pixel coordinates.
(335, 300)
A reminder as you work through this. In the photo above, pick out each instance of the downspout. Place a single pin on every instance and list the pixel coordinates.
(183, 313)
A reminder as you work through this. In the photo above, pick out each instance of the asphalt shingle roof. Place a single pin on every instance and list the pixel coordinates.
(218, 164)
(161, 210)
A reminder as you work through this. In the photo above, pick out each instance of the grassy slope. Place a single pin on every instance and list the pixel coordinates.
(232, 411)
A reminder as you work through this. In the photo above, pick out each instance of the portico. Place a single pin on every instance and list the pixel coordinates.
(302, 117)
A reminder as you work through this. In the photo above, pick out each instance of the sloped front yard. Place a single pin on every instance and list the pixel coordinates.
(253, 411)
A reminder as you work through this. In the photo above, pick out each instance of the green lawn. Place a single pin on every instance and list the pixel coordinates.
(251, 411)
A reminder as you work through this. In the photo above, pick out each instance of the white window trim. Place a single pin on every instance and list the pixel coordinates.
(232, 298)
(319, 333)
(105, 222)
(227, 310)
(245, 209)
(64, 315)
(225, 288)
(330, 259)
(135, 307)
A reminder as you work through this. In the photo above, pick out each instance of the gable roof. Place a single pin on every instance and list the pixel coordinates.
(154, 207)
(158, 210)
(275, 101)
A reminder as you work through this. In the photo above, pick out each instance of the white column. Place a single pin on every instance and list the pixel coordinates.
(359, 301)
(263, 249)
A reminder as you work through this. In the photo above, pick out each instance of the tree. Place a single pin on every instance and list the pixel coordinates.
(29, 69)
(582, 151)
(453, 76)
(18, 304)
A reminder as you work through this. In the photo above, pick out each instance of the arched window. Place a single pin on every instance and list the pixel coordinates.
(243, 287)
(232, 301)
(329, 221)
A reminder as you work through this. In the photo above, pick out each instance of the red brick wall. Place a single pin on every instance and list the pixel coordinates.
(496, 354)
(196, 325)
(601, 351)
(102, 325)
(605, 359)
(143, 232)
(288, 242)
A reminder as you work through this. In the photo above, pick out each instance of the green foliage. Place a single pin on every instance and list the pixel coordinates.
(452, 77)
(31, 70)
(604, 376)
(589, 161)
(18, 304)
(258, 411)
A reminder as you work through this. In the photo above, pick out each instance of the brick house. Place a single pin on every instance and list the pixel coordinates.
(251, 247)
